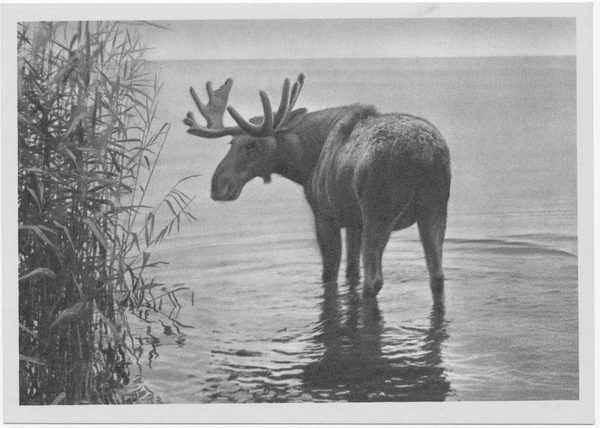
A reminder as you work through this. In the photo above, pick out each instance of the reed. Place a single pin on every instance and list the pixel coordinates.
(88, 146)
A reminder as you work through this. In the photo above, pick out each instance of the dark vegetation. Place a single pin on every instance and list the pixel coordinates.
(88, 146)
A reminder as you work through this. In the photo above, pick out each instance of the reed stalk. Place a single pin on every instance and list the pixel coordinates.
(88, 146)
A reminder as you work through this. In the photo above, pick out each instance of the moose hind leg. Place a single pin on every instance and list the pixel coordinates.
(383, 203)
(432, 230)
(330, 243)
(353, 244)
(375, 237)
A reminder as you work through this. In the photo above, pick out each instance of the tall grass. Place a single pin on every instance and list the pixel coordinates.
(88, 146)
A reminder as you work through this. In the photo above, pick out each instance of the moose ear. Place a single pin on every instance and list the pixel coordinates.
(256, 120)
(294, 118)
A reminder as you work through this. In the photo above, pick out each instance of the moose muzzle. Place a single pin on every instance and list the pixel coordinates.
(227, 183)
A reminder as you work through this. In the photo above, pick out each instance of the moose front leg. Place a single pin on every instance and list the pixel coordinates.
(330, 243)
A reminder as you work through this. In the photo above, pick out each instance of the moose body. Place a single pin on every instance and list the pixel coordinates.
(367, 172)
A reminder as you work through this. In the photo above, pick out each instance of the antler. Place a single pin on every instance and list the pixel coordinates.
(288, 101)
(284, 115)
(215, 109)
(213, 113)
(264, 129)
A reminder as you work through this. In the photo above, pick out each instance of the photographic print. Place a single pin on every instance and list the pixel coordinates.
(312, 205)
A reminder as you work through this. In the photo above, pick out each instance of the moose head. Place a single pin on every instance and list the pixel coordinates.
(254, 146)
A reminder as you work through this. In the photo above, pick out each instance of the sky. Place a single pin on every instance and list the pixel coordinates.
(360, 38)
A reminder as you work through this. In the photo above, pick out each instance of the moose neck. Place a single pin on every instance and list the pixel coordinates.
(298, 150)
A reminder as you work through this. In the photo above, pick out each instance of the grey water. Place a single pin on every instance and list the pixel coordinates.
(256, 325)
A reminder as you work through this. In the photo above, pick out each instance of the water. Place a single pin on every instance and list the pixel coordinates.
(256, 325)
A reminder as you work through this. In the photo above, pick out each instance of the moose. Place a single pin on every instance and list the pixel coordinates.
(361, 170)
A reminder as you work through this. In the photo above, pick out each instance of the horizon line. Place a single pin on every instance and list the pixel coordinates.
(365, 58)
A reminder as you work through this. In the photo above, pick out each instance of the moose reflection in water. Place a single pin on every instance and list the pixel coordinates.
(363, 171)
(347, 353)
(363, 360)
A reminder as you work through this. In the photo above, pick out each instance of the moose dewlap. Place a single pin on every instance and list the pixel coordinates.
(368, 172)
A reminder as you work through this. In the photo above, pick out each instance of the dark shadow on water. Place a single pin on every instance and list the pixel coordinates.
(365, 360)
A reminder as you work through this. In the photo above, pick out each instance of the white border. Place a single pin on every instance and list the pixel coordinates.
(546, 412)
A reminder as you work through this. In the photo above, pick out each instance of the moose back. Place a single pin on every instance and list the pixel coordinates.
(361, 170)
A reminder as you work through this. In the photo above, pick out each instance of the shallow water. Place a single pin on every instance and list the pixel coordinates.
(256, 325)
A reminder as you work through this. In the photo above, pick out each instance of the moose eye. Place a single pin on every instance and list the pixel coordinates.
(250, 146)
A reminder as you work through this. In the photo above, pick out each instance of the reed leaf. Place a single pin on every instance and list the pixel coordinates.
(68, 314)
(59, 399)
(38, 273)
(89, 146)
(31, 360)
(96, 232)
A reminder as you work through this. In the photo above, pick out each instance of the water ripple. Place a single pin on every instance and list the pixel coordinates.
(510, 246)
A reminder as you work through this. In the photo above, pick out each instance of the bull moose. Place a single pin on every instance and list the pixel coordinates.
(361, 170)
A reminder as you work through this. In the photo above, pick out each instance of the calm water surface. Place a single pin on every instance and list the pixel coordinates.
(256, 325)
